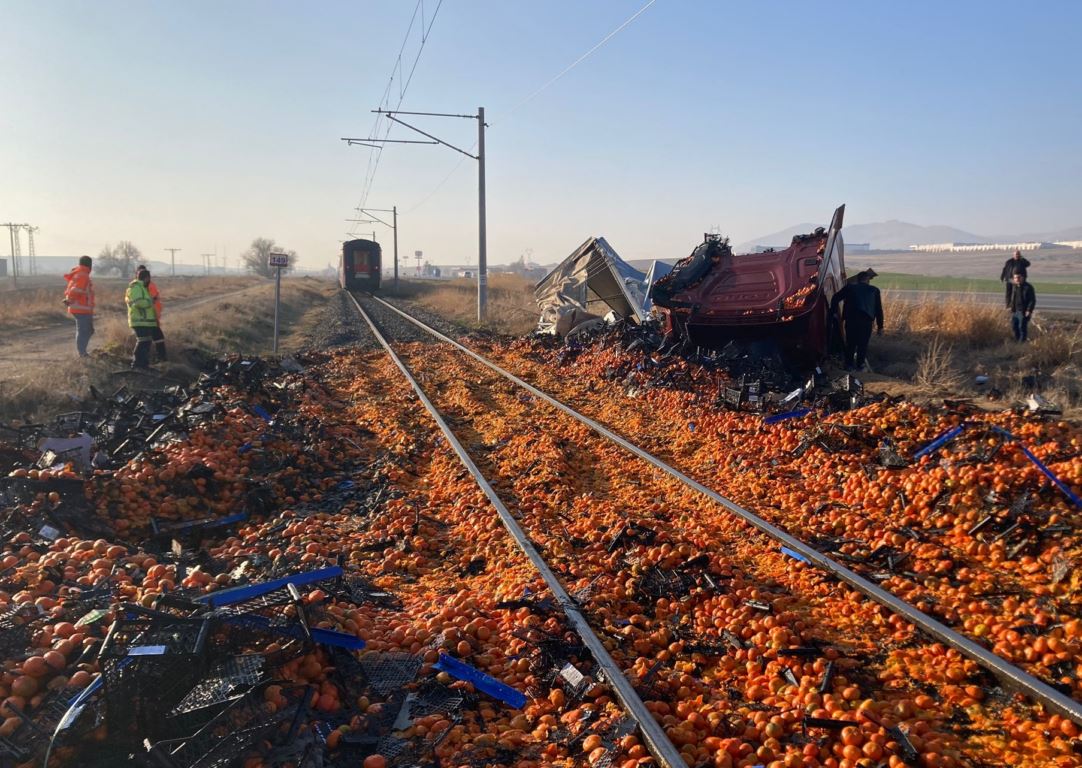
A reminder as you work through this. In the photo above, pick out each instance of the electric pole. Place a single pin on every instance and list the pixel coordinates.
(482, 245)
(173, 258)
(207, 262)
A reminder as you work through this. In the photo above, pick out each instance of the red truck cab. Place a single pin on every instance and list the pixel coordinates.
(714, 296)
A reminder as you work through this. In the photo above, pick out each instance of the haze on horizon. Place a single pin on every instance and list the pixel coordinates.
(203, 125)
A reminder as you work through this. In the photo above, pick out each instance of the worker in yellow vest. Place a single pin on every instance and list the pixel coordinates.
(141, 318)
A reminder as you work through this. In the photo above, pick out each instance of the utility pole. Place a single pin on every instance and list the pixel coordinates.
(207, 262)
(482, 226)
(14, 230)
(482, 244)
(173, 258)
(393, 210)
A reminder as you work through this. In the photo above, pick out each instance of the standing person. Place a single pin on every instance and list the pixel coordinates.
(141, 318)
(158, 337)
(79, 299)
(1016, 263)
(1021, 301)
(863, 306)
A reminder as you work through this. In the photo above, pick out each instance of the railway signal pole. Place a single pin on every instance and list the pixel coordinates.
(277, 261)
(173, 259)
(482, 239)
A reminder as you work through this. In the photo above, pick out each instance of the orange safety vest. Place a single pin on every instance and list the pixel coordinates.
(80, 291)
(154, 294)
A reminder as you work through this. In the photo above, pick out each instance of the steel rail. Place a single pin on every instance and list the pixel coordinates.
(1009, 675)
(656, 739)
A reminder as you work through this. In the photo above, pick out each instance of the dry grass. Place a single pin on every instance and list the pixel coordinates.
(511, 306)
(40, 306)
(938, 346)
(959, 320)
(36, 390)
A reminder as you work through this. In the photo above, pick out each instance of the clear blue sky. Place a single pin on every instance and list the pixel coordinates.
(202, 125)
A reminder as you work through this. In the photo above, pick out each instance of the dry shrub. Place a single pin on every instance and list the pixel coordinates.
(1053, 347)
(960, 320)
(936, 369)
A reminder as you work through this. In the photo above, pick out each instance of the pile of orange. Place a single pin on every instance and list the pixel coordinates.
(724, 661)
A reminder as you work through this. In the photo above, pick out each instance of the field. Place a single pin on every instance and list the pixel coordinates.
(39, 304)
(511, 306)
(202, 318)
(943, 283)
(1060, 264)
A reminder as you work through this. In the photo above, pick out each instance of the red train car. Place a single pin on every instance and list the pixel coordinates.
(360, 266)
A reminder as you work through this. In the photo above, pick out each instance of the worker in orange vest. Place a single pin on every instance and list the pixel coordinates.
(79, 299)
(158, 336)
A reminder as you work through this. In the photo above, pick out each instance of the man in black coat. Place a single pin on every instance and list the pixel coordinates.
(863, 306)
(1016, 263)
(1020, 301)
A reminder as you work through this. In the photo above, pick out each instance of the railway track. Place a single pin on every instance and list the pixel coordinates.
(544, 552)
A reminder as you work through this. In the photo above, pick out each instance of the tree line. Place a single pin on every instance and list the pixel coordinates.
(123, 258)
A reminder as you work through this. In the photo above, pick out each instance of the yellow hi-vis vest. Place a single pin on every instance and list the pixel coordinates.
(140, 306)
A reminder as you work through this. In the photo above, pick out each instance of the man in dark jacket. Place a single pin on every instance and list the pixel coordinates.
(863, 306)
(1020, 301)
(1016, 263)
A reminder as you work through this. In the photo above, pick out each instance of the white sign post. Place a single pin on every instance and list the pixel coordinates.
(278, 261)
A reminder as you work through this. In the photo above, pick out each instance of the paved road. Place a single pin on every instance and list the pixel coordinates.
(1046, 302)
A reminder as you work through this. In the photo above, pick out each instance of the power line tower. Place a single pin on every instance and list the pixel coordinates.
(207, 262)
(31, 253)
(15, 231)
(173, 258)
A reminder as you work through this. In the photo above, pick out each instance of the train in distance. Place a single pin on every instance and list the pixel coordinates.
(360, 265)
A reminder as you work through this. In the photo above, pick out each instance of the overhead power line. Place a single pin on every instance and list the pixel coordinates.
(581, 58)
(375, 154)
(627, 22)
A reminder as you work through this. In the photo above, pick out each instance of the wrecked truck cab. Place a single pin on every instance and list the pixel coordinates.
(715, 296)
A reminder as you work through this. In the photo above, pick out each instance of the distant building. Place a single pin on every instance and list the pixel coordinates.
(976, 247)
(858, 247)
(1069, 243)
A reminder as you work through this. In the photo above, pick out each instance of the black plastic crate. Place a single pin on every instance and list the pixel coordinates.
(245, 722)
(148, 664)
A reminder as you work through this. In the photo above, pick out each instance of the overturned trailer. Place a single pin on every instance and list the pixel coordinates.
(586, 286)
(715, 296)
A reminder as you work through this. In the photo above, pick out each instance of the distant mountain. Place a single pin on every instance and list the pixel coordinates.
(899, 235)
(782, 238)
(882, 235)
